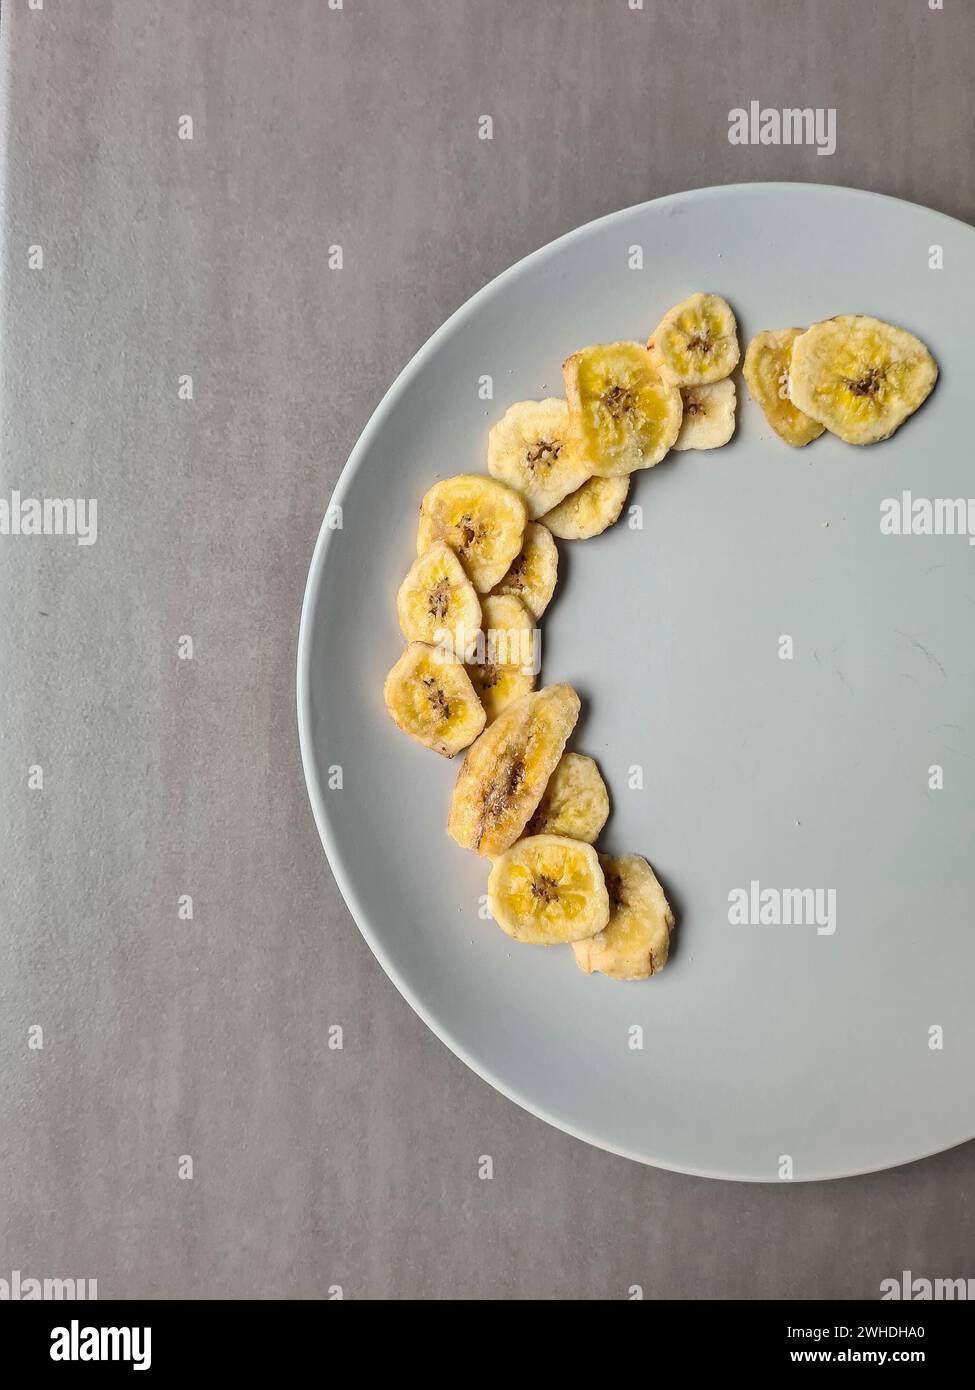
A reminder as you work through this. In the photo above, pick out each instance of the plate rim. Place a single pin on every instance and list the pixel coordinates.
(303, 674)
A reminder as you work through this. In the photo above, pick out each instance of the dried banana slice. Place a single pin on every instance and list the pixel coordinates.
(625, 415)
(533, 449)
(860, 377)
(696, 342)
(709, 415)
(481, 520)
(436, 599)
(502, 663)
(533, 571)
(431, 698)
(588, 512)
(506, 772)
(576, 802)
(548, 890)
(636, 942)
(766, 372)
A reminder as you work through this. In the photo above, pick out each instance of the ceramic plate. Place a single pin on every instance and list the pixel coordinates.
(837, 1045)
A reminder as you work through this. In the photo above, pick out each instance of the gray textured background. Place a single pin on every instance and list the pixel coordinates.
(162, 257)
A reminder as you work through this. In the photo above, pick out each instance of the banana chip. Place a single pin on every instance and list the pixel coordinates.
(431, 699)
(505, 773)
(635, 943)
(625, 415)
(576, 802)
(502, 666)
(436, 597)
(766, 371)
(588, 512)
(481, 520)
(860, 377)
(533, 571)
(696, 342)
(548, 890)
(709, 415)
(533, 449)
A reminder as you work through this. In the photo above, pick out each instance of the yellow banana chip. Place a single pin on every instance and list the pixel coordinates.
(860, 377)
(635, 943)
(548, 890)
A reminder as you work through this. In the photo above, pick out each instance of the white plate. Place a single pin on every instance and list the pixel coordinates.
(758, 1041)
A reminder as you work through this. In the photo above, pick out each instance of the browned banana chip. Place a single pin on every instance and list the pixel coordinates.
(766, 372)
(507, 770)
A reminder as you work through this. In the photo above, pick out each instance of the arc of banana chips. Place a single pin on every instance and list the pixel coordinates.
(487, 566)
